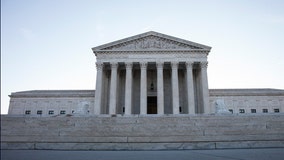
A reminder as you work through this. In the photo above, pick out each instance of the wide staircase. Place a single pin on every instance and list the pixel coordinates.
(152, 132)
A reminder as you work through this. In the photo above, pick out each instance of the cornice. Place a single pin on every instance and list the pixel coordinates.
(151, 51)
(246, 92)
(53, 94)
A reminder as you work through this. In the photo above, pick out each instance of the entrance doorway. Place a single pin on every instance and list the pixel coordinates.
(152, 105)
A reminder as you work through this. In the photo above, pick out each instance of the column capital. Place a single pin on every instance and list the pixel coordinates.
(174, 65)
(160, 65)
(128, 65)
(143, 65)
(204, 64)
(189, 64)
(114, 64)
(99, 65)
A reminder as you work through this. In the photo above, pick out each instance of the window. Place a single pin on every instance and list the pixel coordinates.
(276, 110)
(265, 110)
(62, 112)
(28, 112)
(231, 110)
(253, 110)
(51, 112)
(242, 110)
(39, 112)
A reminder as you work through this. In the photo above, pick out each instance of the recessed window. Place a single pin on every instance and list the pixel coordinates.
(253, 110)
(231, 110)
(276, 110)
(62, 112)
(265, 110)
(51, 112)
(39, 112)
(242, 110)
(28, 112)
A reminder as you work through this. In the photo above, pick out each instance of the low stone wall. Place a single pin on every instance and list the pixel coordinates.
(143, 132)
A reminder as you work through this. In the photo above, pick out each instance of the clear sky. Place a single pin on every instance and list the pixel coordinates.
(46, 44)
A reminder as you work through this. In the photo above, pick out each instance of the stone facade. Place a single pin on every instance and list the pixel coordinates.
(51, 102)
(150, 73)
(151, 94)
(249, 100)
(40, 103)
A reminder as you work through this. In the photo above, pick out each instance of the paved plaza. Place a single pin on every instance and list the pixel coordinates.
(227, 154)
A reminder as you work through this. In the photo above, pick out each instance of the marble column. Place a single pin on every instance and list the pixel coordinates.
(160, 87)
(143, 88)
(190, 89)
(128, 88)
(205, 91)
(175, 87)
(98, 94)
(113, 88)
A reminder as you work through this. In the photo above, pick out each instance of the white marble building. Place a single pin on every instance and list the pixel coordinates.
(150, 73)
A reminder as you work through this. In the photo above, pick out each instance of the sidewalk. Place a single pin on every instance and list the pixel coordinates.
(228, 154)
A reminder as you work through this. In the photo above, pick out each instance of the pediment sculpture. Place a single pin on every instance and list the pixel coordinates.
(151, 42)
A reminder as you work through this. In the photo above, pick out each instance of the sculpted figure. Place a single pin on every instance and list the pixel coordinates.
(82, 108)
(220, 106)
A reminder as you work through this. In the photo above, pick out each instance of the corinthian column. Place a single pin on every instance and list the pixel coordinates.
(175, 88)
(113, 87)
(143, 88)
(205, 91)
(190, 89)
(128, 88)
(160, 87)
(98, 94)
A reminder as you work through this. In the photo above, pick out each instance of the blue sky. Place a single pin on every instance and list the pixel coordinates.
(46, 44)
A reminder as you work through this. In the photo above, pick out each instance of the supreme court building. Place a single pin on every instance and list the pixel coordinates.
(151, 94)
(150, 73)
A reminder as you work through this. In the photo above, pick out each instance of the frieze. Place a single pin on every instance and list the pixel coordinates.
(152, 56)
(151, 42)
(107, 61)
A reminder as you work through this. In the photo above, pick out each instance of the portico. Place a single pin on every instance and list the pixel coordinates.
(151, 73)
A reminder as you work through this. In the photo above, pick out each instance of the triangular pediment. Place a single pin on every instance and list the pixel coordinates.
(151, 41)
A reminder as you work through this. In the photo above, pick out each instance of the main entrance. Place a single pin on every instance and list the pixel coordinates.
(151, 105)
